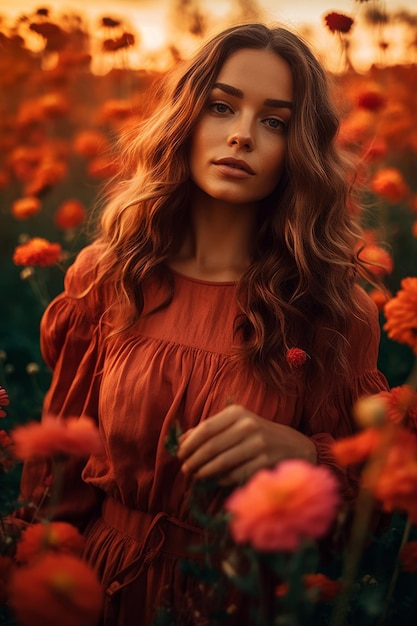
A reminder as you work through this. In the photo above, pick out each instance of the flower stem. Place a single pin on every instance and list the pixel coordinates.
(364, 508)
(396, 572)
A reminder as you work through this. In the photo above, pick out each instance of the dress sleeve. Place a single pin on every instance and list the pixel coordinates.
(332, 419)
(70, 346)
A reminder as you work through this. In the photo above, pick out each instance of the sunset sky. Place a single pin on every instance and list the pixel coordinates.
(152, 19)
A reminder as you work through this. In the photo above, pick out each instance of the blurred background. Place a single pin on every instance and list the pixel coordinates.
(74, 77)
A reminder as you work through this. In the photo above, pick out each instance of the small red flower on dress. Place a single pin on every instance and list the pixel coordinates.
(338, 22)
(296, 357)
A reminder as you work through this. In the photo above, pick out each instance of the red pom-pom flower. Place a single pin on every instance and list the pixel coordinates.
(296, 357)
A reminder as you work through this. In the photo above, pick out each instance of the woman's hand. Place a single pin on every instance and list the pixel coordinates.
(235, 443)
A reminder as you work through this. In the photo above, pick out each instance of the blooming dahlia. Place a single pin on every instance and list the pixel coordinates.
(54, 437)
(53, 536)
(277, 509)
(37, 251)
(55, 589)
(401, 314)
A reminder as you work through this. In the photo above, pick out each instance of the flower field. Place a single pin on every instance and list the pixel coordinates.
(60, 127)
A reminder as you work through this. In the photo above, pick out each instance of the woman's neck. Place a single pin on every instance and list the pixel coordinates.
(219, 242)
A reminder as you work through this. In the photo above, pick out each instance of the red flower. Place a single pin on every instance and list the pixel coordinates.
(338, 22)
(37, 251)
(70, 214)
(54, 536)
(372, 100)
(4, 401)
(56, 589)
(296, 357)
(278, 508)
(54, 437)
(325, 588)
(408, 556)
(6, 451)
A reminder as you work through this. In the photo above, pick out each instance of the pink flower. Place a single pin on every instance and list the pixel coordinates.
(279, 508)
(296, 357)
(55, 437)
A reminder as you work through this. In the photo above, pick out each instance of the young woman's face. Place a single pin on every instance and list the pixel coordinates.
(239, 144)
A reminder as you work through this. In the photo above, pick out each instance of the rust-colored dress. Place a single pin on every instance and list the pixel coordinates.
(171, 367)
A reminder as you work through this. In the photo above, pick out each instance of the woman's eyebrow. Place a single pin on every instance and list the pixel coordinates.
(238, 93)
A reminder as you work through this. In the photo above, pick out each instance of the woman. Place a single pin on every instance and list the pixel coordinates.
(232, 240)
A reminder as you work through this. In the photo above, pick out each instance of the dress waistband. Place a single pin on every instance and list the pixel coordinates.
(155, 533)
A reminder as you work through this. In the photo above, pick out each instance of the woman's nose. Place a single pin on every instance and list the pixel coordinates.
(241, 136)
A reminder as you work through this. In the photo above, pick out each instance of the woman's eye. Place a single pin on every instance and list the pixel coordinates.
(219, 107)
(275, 124)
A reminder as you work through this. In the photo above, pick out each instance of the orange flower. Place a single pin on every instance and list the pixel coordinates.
(395, 485)
(401, 314)
(4, 401)
(49, 173)
(380, 259)
(90, 143)
(408, 556)
(279, 508)
(37, 251)
(338, 22)
(355, 128)
(414, 229)
(23, 208)
(70, 214)
(6, 568)
(390, 184)
(379, 298)
(54, 436)
(54, 536)
(357, 448)
(56, 589)
(401, 405)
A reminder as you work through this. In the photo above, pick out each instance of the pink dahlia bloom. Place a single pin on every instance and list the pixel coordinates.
(277, 509)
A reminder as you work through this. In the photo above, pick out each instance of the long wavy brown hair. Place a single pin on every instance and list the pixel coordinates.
(305, 251)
